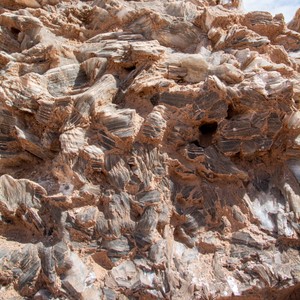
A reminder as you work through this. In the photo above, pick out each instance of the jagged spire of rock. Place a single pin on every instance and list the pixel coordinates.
(148, 150)
(295, 23)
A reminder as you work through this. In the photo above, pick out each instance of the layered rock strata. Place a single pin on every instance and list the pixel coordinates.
(148, 150)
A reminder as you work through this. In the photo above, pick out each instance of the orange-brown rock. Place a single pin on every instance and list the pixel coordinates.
(148, 150)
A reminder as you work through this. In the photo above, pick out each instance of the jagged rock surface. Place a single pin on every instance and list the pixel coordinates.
(148, 150)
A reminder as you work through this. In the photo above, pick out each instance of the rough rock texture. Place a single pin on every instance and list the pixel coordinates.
(148, 150)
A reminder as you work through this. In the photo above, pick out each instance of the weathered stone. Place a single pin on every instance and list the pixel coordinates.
(42, 295)
(194, 66)
(245, 238)
(75, 279)
(120, 123)
(148, 198)
(25, 266)
(264, 24)
(148, 150)
(117, 248)
(155, 125)
(294, 23)
(125, 275)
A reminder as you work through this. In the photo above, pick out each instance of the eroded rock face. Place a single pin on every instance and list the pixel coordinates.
(148, 150)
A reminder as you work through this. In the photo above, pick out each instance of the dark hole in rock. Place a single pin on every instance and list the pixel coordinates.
(15, 31)
(80, 80)
(6, 220)
(231, 112)
(154, 99)
(49, 232)
(207, 131)
(261, 184)
(130, 68)
(208, 128)
(196, 143)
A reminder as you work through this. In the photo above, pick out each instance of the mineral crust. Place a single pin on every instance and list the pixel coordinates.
(148, 150)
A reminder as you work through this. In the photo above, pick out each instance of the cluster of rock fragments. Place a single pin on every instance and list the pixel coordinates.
(148, 150)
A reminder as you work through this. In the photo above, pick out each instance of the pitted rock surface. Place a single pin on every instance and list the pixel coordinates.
(148, 150)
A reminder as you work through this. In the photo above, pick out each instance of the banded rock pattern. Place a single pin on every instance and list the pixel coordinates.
(148, 150)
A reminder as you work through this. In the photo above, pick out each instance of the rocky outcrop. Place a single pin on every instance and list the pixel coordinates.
(295, 22)
(148, 150)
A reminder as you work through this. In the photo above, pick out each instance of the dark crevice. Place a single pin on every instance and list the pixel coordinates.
(80, 80)
(207, 132)
(196, 143)
(208, 128)
(15, 31)
(130, 68)
(49, 231)
(154, 99)
(231, 112)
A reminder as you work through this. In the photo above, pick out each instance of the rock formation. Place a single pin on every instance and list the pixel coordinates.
(148, 150)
